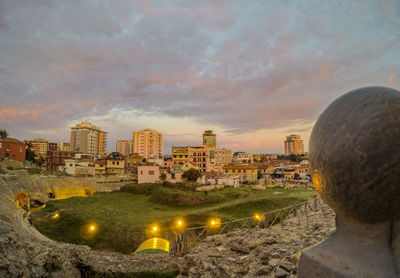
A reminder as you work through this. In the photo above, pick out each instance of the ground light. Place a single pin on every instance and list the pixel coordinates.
(92, 228)
(56, 215)
(214, 222)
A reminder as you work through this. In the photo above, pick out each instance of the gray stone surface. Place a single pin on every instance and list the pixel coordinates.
(354, 154)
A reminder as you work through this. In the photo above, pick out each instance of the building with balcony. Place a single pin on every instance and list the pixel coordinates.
(180, 155)
(88, 138)
(242, 157)
(115, 163)
(148, 143)
(220, 158)
(39, 146)
(200, 156)
(293, 145)
(124, 147)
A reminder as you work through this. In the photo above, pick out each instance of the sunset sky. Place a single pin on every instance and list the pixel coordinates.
(252, 71)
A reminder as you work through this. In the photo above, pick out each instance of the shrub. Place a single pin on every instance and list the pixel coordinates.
(191, 174)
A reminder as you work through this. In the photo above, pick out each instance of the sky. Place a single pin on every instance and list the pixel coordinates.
(251, 71)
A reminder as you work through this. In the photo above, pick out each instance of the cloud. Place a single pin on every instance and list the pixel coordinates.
(240, 67)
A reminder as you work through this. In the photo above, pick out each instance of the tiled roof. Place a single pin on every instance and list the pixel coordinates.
(11, 140)
(240, 166)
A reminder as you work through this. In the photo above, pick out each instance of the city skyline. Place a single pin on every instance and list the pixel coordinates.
(252, 73)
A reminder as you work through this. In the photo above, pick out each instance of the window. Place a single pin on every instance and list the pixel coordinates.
(113, 163)
(8, 148)
(70, 165)
(117, 162)
(20, 149)
(1, 144)
(141, 172)
(151, 172)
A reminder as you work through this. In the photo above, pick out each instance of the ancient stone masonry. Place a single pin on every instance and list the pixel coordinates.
(354, 156)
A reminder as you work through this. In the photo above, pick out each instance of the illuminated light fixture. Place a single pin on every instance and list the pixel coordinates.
(179, 223)
(155, 228)
(256, 216)
(92, 228)
(55, 215)
(213, 222)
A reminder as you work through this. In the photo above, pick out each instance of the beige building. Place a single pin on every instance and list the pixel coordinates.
(209, 139)
(64, 147)
(199, 155)
(242, 157)
(124, 147)
(148, 143)
(148, 173)
(88, 138)
(40, 146)
(220, 157)
(115, 163)
(294, 145)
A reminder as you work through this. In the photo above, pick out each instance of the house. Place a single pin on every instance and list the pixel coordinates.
(246, 172)
(242, 157)
(77, 167)
(229, 180)
(115, 163)
(55, 160)
(12, 149)
(189, 165)
(148, 173)
(100, 166)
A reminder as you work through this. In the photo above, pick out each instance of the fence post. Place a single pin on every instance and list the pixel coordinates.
(294, 211)
(266, 220)
(185, 247)
(249, 223)
(281, 216)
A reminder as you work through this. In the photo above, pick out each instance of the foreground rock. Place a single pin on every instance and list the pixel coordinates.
(258, 252)
(24, 252)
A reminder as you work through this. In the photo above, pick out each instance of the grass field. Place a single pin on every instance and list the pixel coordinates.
(122, 218)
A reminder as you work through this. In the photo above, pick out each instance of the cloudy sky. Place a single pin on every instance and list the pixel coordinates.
(252, 71)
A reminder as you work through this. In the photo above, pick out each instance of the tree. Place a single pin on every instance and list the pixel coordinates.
(191, 174)
(30, 154)
(3, 133)
(163, 177)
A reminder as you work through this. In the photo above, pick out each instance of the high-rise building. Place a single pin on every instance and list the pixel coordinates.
(209, 139)
(124, 147)
(200, 156)
(40, 146)
(148, 143)
(220, 157)
(64, 146)
(294, 145)
(88, 138)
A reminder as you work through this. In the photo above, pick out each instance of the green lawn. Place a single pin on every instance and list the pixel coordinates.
(123, 218)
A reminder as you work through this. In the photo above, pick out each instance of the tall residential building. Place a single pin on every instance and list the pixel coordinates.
(40, 146)
(209, 139)
(124, 147)
(294, 145)
(148, 143)
(64, 146)
(200, 156)
(88, 138)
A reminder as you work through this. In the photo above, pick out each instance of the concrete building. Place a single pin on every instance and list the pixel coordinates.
(200, 156)
(12, 149)
(115, 163)
(40, 146)
(148, 143)
(220, 158)
(294, 145)
(77, 167)
(100, 166)
(124, 147)
(180, 155)
(148, 173)
(64, 147)
(88, 138)
(209, 139)
(55, 160)
(247, 173)
(242, 157)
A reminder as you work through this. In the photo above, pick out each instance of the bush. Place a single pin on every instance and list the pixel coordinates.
(177, 198)
(143, 188)
(191, 174)
(33, 171)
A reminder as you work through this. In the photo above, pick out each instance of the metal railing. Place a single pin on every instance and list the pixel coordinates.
(191, 236)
